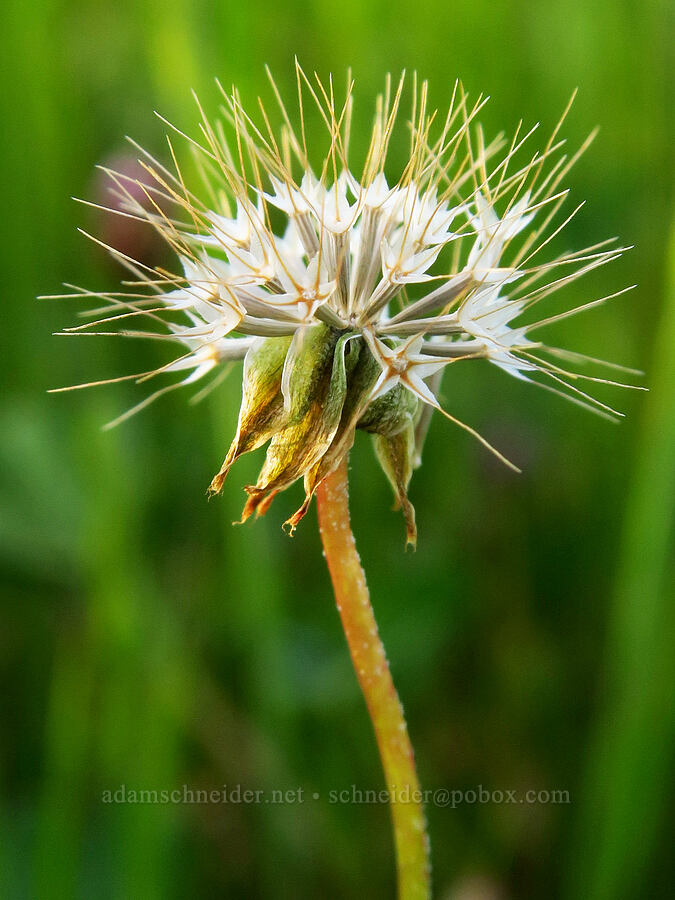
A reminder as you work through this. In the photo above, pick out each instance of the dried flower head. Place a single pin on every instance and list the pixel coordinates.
(348, 295)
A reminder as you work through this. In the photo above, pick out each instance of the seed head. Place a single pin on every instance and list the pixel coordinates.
(347, 295)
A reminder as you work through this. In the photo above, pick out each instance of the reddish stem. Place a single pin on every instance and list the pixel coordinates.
(372, 670)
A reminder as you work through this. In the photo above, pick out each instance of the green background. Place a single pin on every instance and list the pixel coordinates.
(144, 641)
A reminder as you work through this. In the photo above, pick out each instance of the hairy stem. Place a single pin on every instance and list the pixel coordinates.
(372, 670)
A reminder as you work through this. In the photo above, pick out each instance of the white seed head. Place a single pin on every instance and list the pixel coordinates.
(421, 269)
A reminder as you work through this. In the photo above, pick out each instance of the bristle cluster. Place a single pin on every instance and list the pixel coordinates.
(296, 255)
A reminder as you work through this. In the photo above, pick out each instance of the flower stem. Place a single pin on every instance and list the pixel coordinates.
(372, 670)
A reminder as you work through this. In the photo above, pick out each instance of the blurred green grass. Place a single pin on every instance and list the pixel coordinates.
(146, 642)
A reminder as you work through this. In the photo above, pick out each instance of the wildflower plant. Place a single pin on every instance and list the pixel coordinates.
(347, 293)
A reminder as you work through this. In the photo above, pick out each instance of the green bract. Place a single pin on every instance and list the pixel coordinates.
(307, 395)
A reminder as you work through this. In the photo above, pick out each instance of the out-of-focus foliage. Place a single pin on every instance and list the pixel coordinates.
(146, 642)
